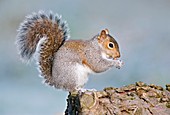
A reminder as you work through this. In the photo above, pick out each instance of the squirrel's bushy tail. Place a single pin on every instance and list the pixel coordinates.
(43, 34)
(37, 26)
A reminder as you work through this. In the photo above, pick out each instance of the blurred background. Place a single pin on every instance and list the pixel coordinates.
(142, 29)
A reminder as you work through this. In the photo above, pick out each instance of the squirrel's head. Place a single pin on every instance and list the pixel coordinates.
(109, 45)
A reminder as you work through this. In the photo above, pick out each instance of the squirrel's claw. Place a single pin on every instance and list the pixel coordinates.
(119, 64)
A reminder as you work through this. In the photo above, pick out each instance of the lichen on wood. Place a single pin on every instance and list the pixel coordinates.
(134, 99)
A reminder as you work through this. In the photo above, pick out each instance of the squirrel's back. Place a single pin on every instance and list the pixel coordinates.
(43, 34)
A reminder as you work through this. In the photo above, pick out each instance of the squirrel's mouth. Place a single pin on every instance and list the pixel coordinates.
(111, 57)
(115, 59)
(114, 56)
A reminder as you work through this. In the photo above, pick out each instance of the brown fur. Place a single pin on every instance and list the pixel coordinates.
(38, 26)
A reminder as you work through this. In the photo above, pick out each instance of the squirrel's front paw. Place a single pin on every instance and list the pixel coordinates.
(119, 64)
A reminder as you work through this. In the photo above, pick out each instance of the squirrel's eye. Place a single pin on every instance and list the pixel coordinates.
(111, 45)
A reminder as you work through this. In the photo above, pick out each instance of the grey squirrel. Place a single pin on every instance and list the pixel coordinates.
(63, 63)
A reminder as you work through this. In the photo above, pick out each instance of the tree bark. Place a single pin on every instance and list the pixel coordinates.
(134, 99)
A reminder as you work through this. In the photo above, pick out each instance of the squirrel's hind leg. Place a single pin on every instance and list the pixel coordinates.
(65, 75)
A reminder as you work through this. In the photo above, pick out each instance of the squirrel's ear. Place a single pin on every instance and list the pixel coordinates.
(107, 31)
(103, 34)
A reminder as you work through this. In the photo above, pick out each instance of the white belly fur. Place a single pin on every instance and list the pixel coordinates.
(82, 73)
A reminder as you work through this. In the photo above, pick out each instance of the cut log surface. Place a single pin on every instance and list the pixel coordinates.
(134, 99)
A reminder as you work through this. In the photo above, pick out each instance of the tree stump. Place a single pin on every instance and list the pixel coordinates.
(134, 99)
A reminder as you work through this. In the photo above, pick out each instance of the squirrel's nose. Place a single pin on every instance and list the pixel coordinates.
(117, 55)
